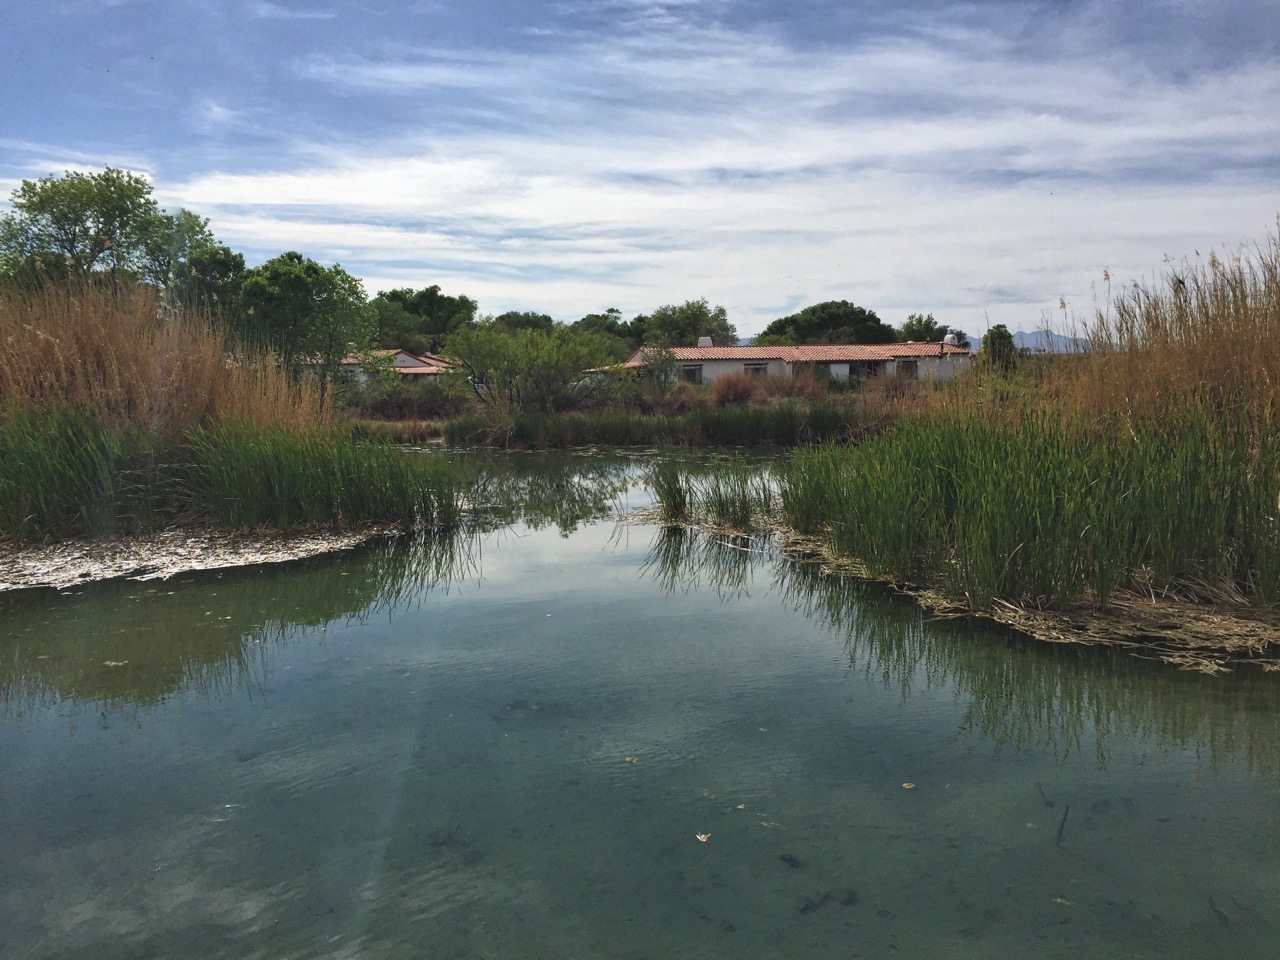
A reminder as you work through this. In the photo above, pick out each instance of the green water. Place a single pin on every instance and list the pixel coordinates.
(505, 746)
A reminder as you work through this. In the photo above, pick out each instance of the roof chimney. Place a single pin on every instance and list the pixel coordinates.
(704, 341)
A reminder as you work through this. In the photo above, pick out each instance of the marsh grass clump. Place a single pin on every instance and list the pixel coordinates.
(64, 472)
(671, 483)
(1150, 463)
(1204, 337)
(239, 475)
(119, 415)
(1049, 511)
(738, 495)
(734, 494)
(113, 352)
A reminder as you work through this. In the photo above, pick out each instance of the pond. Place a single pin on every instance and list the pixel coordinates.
(565, 736)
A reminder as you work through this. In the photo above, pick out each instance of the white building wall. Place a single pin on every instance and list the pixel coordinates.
(712, 370)
(942, 368)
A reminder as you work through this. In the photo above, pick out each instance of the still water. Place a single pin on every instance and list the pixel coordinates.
(561, 736)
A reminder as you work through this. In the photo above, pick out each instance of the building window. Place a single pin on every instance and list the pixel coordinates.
(691, 373)
(908, 369)
(756, 369)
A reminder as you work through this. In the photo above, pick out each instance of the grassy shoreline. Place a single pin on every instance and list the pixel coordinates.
(1148, 466)
(120, 417)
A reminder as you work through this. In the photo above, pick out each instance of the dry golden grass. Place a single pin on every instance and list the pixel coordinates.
(1204, 340)
(113, 352)
(1208, 335)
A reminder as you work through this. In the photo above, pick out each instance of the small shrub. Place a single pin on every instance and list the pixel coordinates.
(413, 399)
(734, 388)
(684, 396)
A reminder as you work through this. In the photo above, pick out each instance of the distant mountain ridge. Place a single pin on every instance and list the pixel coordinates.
(1046, 341)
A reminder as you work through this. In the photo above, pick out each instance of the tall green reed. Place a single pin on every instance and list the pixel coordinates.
(65, 473)
(241, 475)
(1049, 510)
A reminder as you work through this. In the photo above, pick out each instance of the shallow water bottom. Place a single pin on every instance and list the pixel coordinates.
(523, 765)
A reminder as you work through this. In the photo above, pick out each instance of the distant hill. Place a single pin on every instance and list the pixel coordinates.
(1045, 341)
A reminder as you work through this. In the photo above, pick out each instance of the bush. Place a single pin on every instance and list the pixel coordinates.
(683, 396)
(734, 388)
(408, 399)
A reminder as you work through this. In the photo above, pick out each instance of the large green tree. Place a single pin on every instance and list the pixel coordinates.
(833, 321)
(420, 320)
(922, 328)
(624, 336)
(998, 349)
(681, 325)
(311, 316)
(210, 279)
(83, 224)
(169, 244)
(515, 320)
(530, 370)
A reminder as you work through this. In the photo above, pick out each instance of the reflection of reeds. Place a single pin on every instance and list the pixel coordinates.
(1047, 696)
(682, 559)
(126, 644)
(1060, 698)
(560, 489)
(735, 494)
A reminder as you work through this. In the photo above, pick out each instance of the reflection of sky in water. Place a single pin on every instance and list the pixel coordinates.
(362, 761)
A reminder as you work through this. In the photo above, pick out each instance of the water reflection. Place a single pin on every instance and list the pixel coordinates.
(128, 644)
(136, 644)
(557, 489)
(682, 560)
(1058, 697)
(133, 645)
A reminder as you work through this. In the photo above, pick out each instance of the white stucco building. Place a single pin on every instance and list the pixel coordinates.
(923, 361)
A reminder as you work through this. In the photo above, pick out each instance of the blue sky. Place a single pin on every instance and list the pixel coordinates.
(977, 160)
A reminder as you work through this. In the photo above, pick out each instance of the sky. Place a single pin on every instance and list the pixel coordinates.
(987, 162)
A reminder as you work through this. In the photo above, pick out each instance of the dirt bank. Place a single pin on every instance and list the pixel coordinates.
(155, 556)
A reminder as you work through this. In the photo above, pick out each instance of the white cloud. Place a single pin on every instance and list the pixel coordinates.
(213, 116)
(945, 172)
(275, 11)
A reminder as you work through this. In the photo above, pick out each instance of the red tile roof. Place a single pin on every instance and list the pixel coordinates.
(429, 370)
(404, 362)
(811, 353)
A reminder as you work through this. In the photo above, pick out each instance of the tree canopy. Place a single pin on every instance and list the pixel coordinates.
(514, 320)
(80, 224)
(311, 316)
(998, 349)
(210, 279)
(833, 321)
(680, 325)
(922, 328)
(624, 337)
(420, 320)
(529, 370)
